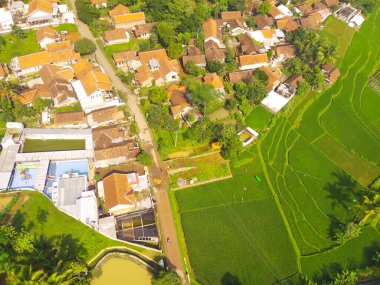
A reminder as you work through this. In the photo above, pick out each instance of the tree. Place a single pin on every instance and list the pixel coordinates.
(2, 42)
(18, 32)
(231, 144)
(84, 46)
(200, 130)
(87, 13)
(166, 278)
(184, 38)
(40, 104)
(371, 208)
(175, 50)
(166, 33)
(303, 88)
(260, 75)
(264, 8)
(236, 5)
(144, 158)
(216, 66)
(126, 78)
(193, 69)
(157, 95)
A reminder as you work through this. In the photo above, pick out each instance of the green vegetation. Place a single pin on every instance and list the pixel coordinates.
(66, 27)
(259, 118)
(15, 46)
(84, 46)
(317, 162)
(33, 145)
(64, 109)
(199, 168)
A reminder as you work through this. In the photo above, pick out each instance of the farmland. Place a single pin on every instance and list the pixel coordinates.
(315, 163)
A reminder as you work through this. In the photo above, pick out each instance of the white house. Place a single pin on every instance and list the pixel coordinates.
(253, 61)
(46, 35)
(285, 10)
(31, 63)
(212, 32)
(116, 36)
(269, 37)
(41, 11)
(6, 20)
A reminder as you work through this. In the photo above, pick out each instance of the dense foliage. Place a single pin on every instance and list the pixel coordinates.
(84, 46)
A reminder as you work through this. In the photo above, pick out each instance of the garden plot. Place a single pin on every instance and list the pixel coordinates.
(185, 172)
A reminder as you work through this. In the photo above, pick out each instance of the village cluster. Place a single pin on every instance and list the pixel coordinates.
(105, 126)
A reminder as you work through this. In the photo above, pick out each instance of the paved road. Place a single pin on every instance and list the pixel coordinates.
(166, 221)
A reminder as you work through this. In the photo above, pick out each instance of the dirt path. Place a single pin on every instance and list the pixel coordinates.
(166, 220)
(21, 200)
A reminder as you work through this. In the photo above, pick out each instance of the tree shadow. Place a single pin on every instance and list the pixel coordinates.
(327, 273)
(18, 220)
(334, 226)
(42, 217)
(229, 279)
(342, 191)
(369, 252)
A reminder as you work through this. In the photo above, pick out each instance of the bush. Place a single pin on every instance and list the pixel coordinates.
(84, 46)
(166, 278)
(192, 69)
(157, 95)
(144, 158)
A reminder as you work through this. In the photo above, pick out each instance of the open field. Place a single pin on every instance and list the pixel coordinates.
(315, 164)
(17, 47)
(198, 168)
(40, 217)
(53, 145)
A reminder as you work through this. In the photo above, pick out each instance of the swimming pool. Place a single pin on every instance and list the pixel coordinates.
(23, 177)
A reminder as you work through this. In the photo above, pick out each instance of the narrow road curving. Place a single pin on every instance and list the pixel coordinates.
(165, 217)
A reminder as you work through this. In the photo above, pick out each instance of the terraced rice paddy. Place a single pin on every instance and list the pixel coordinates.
(315, 163)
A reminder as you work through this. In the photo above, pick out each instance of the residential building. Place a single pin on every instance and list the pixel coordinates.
(248, 46)
(331, 72)
(105, 116)
(253, 61)
(46, 35)
(213, 32)
(268, 38)
(16, 6)
(71, 119)
(284, 52)
(99, 3)
(116, 36)
(119, 197)
(138, 181)
(28, 97)
(62, 53)
(179, 104)
(231, 15)
(111, 146)
(264, 22)
(332, 3)
(294, 80)
(40, 11)
(4, 71)
(311, 21)
(93, 86)
(144, 31)
(305, 8)
(122, 17)
(199, 60)
(235, 27)
(240, 76)
(287, 24)
(215, 80)
(274, 77)
(6, 19)
(128, 59)
(280, 12)
(57, 81)
(156, 67)
(214, 52)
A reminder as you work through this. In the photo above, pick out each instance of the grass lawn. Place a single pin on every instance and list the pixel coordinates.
(32, 145)
(40, 217)
(66, 27)
(17, 47)
(258, 118)
(76, 107)
(199, 168)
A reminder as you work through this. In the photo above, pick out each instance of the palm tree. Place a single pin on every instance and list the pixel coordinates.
(371, 208)
(26, 275)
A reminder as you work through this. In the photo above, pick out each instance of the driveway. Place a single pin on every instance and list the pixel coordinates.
(165, 217)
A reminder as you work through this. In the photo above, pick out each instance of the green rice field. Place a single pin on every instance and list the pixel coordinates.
(314, 165)
(32, 145)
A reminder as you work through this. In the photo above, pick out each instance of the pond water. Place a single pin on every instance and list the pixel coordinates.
(118, 270)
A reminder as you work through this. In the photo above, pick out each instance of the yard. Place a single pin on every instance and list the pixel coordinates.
(314, 163)
(41, 217)
(259, 118)
(32, 145)
(199, 169)
(17, 47)
(66, 27)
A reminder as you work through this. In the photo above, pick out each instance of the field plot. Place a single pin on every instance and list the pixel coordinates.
(233, 229)
(258, 118)
(52, 145)
(185, 172)
(320, 161)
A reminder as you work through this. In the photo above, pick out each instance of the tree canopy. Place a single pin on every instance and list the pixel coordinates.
(84, 46)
